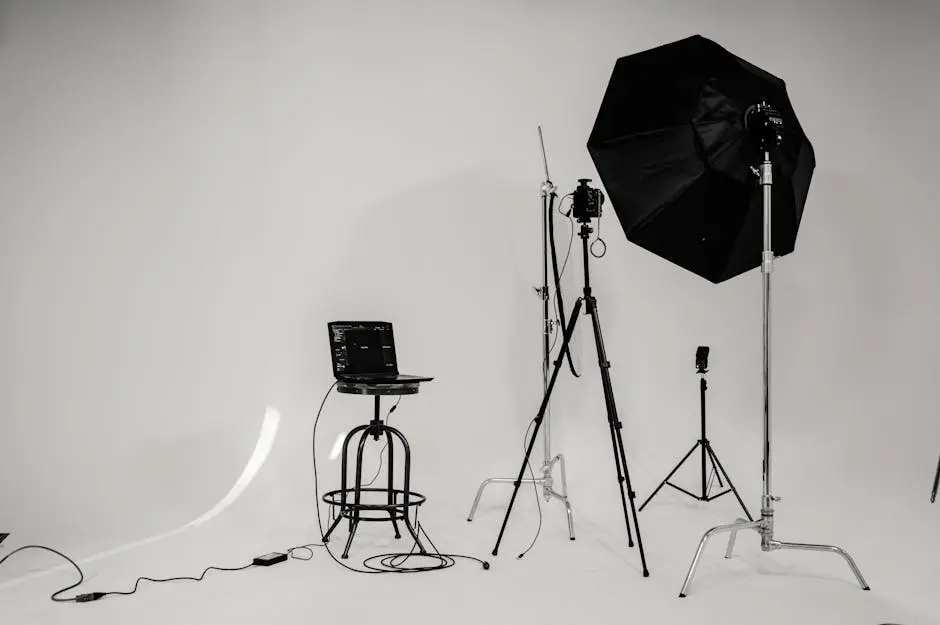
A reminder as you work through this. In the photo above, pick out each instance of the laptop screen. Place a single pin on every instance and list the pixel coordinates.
(362, 347)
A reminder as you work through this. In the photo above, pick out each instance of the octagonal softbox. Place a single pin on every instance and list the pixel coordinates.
(671, 149)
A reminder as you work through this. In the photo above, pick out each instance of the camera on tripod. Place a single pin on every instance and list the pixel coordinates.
(586, 201)
(701, 359)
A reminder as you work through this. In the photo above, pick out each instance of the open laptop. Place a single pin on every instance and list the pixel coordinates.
(364, 351)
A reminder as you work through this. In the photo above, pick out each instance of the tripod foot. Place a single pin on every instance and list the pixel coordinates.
(682, 595)
(646, 573)
(495, 552)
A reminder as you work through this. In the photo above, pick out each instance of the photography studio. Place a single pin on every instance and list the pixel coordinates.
(469, 311)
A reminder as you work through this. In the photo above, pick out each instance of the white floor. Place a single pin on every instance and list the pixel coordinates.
(594, 579)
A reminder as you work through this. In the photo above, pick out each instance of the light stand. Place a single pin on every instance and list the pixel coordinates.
(545, 480)
(620, 460)
(708, 456)
(769, 138)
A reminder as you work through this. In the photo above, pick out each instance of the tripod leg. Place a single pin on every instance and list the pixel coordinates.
(613, 426)
(715, 472)
(936, 484)
(717, 462)
(671, 473)
(632, 495)
(613, 422)
(569, 331)
(620, 456)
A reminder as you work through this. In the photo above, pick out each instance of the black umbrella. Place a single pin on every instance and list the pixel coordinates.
(671, 149)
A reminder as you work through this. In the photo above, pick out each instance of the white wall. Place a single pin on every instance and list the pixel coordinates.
(191, 190)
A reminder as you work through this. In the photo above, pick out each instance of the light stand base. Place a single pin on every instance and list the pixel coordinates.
(708, 456)
(716, 473)
(546, 482)
(764, 527)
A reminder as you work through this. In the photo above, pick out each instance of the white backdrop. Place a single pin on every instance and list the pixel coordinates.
(191, 190)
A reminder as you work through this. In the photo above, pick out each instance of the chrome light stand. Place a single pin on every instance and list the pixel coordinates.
(769, 126)
(545, 480)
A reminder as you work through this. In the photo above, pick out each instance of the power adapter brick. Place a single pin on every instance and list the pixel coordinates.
(269, 558)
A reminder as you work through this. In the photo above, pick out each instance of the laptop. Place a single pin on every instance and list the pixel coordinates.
(364, 351)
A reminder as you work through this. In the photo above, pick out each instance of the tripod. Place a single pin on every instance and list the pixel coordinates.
(545, 480)
(708, 455)
(620, 459)
(765, 526)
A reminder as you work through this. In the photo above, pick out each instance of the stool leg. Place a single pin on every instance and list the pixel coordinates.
(343, 482)
(391, 482)
(326, 537)
(414, 534)
(352, 532)
(407, 488)
(357, 497)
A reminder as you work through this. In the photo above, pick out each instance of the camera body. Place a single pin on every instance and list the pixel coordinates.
(701, 359)
(586, 201)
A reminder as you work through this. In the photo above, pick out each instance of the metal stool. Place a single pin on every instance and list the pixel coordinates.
(389, 504)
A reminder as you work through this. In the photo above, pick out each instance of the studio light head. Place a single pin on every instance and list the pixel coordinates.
(701, 359)
(765, 125)
(586, 201)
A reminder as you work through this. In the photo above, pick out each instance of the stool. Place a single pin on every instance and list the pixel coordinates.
(394, 504)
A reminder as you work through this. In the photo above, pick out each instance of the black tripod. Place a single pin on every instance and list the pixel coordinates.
(620, 458)
(708, 455)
